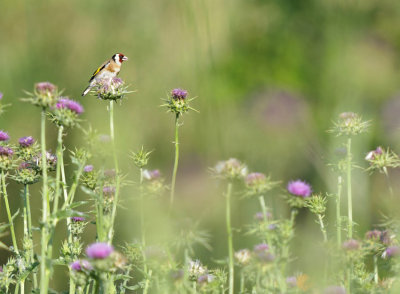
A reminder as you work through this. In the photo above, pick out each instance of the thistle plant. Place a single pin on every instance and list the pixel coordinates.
(112, 90)
(230, 170)
(317, 205)
(177, 103)
(349, 124)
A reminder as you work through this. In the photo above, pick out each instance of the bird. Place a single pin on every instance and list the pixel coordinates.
(108, 70)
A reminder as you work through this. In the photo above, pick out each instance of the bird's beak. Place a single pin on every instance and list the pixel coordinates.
(124, 58)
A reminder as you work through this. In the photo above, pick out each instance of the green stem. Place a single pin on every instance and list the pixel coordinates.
(322, 226)
(142, 227)
(229, 232)
(349, 196)
(30, 235)
(388, 180)
(44, 264)
(176, 160)
(241, 282)
(376, 273)
(117, 178)
(338, 216)
(146, 285)
(10, 220)
(265, 217)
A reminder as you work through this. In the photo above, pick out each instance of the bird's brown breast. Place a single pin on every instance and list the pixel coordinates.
(113, 67)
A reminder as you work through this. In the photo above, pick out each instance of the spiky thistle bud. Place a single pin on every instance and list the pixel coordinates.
(44, 95)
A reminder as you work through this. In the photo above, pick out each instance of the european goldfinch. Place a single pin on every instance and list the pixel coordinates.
(107, 70)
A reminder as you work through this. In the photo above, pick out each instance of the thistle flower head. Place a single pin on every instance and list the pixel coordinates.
(195, 268)
(380, 159)
(108, 190)
(243, 256)
(1, 95)
(4, 136)
(80, 265)
(349, 123)
(99, 250)
(263, 253)
(374, 235)
(51, 160)
(88, 168)
(77, 219)
(391, 251)
(26, 174)
(44, 95)
(230, 169)
(6, 151)
(141, 157)
(45, 87)
(110, 89)
(65, 103)
(317, 204)
(177, 102)
(351, 245)
(26, 141)
(299, 188)
(179, 94)
(258, 184)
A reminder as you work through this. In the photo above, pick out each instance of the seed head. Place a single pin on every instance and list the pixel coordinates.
(243, 256)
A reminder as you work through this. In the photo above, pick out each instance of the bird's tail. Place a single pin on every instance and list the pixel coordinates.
(86, 90)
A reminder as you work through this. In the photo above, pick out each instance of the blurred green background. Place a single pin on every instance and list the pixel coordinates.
(270, 77)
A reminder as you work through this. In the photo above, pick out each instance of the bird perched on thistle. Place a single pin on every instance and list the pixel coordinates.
(108, 70)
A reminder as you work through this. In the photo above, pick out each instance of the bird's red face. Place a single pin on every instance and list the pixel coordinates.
(122, 57)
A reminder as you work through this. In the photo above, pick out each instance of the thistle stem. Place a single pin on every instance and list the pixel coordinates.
(338, 216)
(29, 229)
(117, 178)
(229, 232)
(376, 273)
(322, 226)
(176, 160)
(10, 220)
(142, 227)
(44, 270)
(349, 196)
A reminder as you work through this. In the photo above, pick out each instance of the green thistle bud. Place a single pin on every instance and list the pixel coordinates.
(349, 124)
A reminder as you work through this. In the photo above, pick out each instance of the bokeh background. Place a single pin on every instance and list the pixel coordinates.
(270, 77)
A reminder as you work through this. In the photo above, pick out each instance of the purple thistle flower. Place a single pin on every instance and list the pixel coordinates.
(6, 151)
(179, 94)
(1, 95)
(4, 136)
(69, 104)
(351, 245)
(88, 168)
(108, 190)
(374, 235)
(99, 250)
(391, 251)
(77, 219)
(299, 188)
(79, 265)
(335, 290)
(205, 279)
(45, 87)
(116, 82)
(263, 253)
(26, 141)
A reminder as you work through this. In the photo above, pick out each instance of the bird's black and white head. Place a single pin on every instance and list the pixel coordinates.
(119, 58)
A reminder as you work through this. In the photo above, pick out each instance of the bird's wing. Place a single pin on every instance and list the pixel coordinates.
(99, 69)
